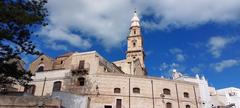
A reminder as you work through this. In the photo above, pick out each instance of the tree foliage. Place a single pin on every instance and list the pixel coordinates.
(18, 21)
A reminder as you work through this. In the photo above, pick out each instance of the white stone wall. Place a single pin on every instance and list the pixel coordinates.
(51, 77)
(231, 96)
(205, 98)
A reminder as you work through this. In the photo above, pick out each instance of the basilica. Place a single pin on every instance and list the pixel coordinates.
(88, 80)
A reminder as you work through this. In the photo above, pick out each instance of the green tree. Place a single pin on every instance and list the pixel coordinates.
(18, 21)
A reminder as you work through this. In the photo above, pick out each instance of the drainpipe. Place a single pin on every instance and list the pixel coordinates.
(43, 85)
(129, 94)
(177, 95)
(152, 94)
(194, 89)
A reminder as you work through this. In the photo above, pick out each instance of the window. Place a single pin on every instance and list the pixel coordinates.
(81, 81)
(41, 59)
(168, 105)
(107, 106)
(117, 90)
(136, 90)
(134, 31)
(30, 89)
(81, 64)
(186, 95)
(40, 69)
(188, 106)
(134, 44)
(119, 103)
(166, 91)
(57, 86)
(62, 61)
(232, 94)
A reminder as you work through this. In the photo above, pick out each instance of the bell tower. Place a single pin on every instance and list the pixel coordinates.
(135, 42)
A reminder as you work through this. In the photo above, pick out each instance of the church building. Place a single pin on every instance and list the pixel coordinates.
(118, 84)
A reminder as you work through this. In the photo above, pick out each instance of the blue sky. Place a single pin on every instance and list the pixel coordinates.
(194, 36)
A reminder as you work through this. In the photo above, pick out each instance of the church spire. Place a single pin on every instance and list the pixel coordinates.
(135, 52)
(135, 20)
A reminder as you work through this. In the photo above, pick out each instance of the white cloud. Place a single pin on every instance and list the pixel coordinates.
(188, 13)
(175, 50)
(219, 67)
(163, 66)
(148, 52)
(218, 43)
(55, 34)
(180, 57)
(168, 67)
(54, 46)
(196, 69)
(178, 53)
(107, 21)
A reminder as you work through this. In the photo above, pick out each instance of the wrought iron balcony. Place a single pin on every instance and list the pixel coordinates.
(80, 70)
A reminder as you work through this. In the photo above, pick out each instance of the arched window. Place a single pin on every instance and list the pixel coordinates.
(166, 91)
(134, 31)
(168, 105)
(186, 94)
(40, 69)
(134, 42)
(136, 90)
(188, 106)
(117, 90)
(62, 61)
(30, 89)
(57, 86)
(81, 81)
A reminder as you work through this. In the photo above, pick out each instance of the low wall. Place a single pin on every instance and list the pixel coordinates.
(28, 102)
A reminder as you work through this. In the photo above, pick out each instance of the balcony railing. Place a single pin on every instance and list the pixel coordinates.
(80, 70)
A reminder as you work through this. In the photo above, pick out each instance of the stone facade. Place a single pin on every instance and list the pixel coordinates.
(150, 92)
(43, 61)
(134, 62)
(121, 84)
(102, 77)
(209, 96)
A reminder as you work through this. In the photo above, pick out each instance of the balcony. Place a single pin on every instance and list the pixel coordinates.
(81, 69)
